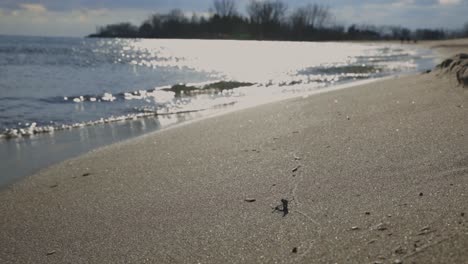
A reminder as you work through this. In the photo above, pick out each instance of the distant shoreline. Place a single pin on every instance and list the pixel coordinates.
(265, 20)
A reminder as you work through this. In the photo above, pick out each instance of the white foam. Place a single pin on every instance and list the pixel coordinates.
(108, 97)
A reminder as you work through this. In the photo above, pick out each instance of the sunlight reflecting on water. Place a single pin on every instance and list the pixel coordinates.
(66, 96)
(70, 83)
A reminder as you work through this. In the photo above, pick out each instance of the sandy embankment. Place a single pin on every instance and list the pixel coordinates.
(376, 173)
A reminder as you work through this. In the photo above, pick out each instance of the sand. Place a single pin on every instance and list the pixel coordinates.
(447, 48)
(372, 174)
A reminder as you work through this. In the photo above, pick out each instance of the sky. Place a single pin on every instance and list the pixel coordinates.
(81, 17)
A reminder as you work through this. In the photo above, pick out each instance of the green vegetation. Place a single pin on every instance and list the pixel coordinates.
(181, 89)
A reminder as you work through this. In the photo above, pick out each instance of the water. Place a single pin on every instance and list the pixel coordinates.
(55, 90)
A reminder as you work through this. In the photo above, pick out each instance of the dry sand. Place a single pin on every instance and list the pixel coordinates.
(447, 48)
(372, 174)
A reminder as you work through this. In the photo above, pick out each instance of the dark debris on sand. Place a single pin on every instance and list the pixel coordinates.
(283, 207)
(296, 168)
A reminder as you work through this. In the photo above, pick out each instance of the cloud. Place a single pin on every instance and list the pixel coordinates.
(35, 8)
(79, 22)
(402, 3)
(449, 2)
(86, 15)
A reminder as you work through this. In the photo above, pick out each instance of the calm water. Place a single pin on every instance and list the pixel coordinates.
(65, 96)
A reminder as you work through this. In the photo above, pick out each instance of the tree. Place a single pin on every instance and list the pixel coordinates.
(400, 33)
(312, 16)
(225, 8)
(266, 12)
(146, 30)
(121, 30)
(363, 32)
(465, 30)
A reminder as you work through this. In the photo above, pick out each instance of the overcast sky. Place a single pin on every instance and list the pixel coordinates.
(81, 17)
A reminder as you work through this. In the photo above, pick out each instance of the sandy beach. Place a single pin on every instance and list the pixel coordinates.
(371, 174)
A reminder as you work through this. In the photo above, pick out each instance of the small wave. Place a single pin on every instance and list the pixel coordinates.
(33, 129)
(106, 97)
(163, 94)
(383, 58)
(345, 69)
(159, 94)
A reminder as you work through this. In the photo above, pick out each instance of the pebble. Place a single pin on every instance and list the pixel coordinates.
(51, 252)
(250, 200)
(400, 250)
(381, 227)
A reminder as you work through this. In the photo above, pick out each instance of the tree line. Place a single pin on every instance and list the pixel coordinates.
(264, 20)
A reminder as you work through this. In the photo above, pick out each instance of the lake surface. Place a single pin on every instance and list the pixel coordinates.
(60, 97)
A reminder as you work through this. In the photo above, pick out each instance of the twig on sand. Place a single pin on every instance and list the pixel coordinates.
(296, 168)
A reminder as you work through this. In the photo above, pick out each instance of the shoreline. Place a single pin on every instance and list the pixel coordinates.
(367, 172)
(66, 135)
(63, 136)
(18, 150)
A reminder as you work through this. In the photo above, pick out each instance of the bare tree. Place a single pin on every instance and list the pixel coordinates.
(176, 15)
(266, 12)
(225, 8)
(314, 16)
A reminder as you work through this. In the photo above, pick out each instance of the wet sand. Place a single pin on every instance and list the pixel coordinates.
(372, 174)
